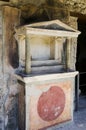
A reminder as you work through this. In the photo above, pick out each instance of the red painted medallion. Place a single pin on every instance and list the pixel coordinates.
(51, 103)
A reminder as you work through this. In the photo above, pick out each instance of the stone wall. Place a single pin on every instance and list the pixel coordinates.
(78, 6)
(1, 41)
(25, 2)
(9, 18)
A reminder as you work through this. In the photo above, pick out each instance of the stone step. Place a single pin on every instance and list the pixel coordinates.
(44, 63)
(43, 68)
(47, 69)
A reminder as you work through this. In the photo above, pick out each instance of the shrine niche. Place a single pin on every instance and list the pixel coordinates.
(45, 74)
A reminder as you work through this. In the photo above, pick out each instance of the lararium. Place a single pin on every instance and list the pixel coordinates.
(45, 74)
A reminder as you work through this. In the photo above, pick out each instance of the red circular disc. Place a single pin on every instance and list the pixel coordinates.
(51, 103)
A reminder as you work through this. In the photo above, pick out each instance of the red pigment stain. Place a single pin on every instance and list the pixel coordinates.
(51, 103)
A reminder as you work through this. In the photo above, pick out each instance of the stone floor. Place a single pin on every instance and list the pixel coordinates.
(79, 122)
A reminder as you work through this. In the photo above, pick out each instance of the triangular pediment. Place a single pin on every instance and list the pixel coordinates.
(50, 28)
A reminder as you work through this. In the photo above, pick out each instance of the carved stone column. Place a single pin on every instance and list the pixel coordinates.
(68, 53)
(58, 49)
(27, 55)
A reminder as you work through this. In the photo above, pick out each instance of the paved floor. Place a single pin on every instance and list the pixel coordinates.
(79, 122)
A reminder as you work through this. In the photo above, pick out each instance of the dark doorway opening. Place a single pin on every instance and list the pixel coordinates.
(81, 54)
